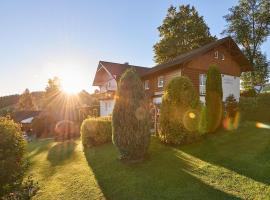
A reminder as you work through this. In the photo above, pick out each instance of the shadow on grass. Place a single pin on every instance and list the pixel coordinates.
(61, 152)
(245, 151)
(164, 175)
(36, 147)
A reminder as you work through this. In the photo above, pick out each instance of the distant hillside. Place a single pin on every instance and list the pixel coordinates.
(10, 101)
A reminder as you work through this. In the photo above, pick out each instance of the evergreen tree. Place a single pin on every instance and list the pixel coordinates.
(249, 25)
(26, 101)
(130, 119)
(213, 98)
(181, 32)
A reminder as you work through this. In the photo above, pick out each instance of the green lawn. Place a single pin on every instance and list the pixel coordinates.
(228, 165)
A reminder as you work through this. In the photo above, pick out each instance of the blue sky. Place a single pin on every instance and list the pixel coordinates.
(41, 39)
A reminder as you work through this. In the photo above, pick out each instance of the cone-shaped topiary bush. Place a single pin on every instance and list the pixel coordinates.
(131, 119)
(179, 112)
(213, 98)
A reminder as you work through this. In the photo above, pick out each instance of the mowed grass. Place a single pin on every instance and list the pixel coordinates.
(227, 165)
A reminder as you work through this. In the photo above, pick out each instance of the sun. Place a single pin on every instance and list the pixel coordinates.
(70, 82)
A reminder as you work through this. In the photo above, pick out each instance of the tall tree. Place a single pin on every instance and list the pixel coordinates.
(130, 118)
(181, 31)
(26, 101)
(213, 98)
(52, 91)
(249, 25)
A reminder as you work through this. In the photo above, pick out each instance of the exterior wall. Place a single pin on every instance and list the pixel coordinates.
(230, 85)
(108, 85)
(168, 75)
(106, 107)
(227, 66)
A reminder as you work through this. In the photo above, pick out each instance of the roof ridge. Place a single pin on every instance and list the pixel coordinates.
(194, 50)
(123, 64)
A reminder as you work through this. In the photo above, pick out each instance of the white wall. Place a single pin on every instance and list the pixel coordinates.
(230, 85)
(106, 107)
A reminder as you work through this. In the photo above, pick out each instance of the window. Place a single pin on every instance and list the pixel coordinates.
(222, 57)
(202, 84)
(160, 81)
(216, 55)
(109, 84)
(106, 106)
(146, 85)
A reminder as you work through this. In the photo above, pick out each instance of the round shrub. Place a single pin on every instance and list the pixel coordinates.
(12, 150)
(65, 130)
(179, 112)
(131, 118)
(96, 131)
(213, 99)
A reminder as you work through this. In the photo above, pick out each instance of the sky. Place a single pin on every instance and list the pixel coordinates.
(67, 38)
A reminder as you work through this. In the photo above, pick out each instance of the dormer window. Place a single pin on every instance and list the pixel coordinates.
(146, 85)
(216, 55)
(160, 81)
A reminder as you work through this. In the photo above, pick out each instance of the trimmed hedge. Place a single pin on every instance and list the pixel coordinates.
(96, 131)
(179, 117)
(255, 108)
(12, 151)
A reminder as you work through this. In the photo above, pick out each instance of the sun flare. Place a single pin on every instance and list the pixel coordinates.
(70, 82)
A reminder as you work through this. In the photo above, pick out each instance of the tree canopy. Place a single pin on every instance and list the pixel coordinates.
(26, 101)
(181, 31)
(249, 25)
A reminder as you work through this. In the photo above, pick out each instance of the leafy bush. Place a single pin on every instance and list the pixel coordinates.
(179, 112)
(13, 163)
(131, 118)
(12, 150)
(213, 98)
(96, 131)
(231, 106)
(25, 190)
(255, 108)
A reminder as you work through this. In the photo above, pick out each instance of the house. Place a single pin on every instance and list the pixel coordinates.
(224, 53)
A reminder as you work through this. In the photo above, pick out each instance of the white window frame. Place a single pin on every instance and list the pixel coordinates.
(202, 84)
(146, 85)
(160, 81)
(216, 55)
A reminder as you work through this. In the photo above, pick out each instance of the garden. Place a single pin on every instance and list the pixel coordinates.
(214, 150)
